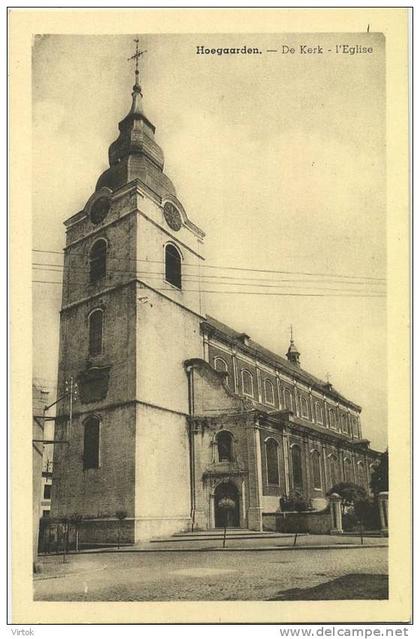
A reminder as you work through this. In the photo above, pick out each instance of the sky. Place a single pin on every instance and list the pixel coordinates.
(279, 158)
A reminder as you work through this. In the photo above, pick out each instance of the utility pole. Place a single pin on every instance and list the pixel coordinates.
(71, 391)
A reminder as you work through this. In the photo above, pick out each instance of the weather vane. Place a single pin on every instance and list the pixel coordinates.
(136, 57)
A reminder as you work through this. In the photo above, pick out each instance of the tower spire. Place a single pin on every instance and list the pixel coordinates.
(135, 154)
(137, 94)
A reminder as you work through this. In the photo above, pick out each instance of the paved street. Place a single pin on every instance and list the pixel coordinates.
(228, 575)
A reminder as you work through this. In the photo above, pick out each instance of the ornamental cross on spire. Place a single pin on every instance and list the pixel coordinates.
(136, 57)
(291, 332)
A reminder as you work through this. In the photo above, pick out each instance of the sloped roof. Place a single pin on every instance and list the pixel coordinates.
(282, 363)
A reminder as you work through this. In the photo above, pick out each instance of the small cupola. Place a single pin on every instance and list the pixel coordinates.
(293, 354)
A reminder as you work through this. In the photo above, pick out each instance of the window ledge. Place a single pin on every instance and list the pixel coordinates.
(176, 288)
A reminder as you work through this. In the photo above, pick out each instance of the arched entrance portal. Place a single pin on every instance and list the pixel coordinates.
(226, 490)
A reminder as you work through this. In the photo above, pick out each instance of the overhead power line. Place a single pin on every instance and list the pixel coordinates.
(291, 294)
(47, 266)
(237, 268)
(299, 284)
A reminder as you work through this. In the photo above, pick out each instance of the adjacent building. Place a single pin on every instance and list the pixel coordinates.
(39, 401)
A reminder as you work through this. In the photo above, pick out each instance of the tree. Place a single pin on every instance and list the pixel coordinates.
(350, 494)
(379, 478)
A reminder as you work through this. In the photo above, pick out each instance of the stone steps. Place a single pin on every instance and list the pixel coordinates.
(209, 535)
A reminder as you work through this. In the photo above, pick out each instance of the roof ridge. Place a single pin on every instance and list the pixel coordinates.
(281, 360)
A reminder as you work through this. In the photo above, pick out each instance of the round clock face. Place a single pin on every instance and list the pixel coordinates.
(172, 216)
(99, 210)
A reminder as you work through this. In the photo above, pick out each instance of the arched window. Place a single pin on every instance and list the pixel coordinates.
(95, 332)
(220, 364)
(224, 442)
(97, 261)
(272, 457)
(247, 383)
(318, 413)
(91, 443)
(173, 265)
(269, 392)
(333, 470)
(316, 468)
(344, 423)
(304, 407)
(288, 399)
(331, 415)
(297, 467)
(347, 469)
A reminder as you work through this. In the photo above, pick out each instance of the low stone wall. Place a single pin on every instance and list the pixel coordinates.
(316, 523)
(91, 532)
(106, 531)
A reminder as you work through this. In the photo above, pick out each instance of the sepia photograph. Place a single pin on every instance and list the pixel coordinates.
(214, 320)
(210, 330)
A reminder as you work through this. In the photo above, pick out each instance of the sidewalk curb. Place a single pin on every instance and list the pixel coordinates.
(211, 549)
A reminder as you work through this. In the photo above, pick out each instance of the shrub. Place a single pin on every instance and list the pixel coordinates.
(294, 502)
(379, 478)
(367, 514)
(350, 493)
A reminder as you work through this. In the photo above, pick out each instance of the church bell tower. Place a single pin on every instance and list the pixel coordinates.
(130, 316)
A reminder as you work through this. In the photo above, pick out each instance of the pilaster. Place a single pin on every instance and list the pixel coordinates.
(312, 406)
(296, 397)
(279, 393)
(326, 419)
(305, 447)
(254, 478)
(325, 467)
(285, 438)
(206, 347)
(259, 388)
(235, 371)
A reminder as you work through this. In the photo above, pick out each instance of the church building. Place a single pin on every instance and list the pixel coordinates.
(174, 410)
